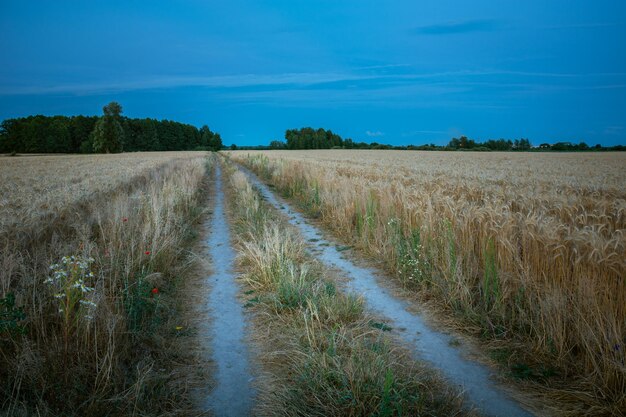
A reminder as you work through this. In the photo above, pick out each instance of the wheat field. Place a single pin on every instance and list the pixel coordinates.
(36, 186)
(91, 250)
(527, 248)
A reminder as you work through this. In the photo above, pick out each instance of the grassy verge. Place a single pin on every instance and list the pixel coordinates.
(91, 304)
(322, 354)
(562, 337)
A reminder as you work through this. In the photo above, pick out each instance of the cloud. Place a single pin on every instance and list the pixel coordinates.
(374, 134)
(584, 26)
(466, 26)
(614, 130)
(354, 87)
(224, 81)
(235, 81)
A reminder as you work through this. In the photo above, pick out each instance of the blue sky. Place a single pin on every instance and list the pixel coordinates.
(392, 71)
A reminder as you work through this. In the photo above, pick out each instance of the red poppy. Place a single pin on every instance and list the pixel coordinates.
(125, 219)
(147, 252)
(155, 290)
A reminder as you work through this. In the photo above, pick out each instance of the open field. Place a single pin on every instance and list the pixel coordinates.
(527, 250)
(92, 252)
(119, 293)
(42, 186)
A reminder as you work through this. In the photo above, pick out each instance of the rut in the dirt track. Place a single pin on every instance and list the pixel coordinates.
(233, 394)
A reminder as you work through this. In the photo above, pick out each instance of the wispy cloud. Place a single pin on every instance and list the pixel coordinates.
(346, 86)
(225, 81)
(374, 134)
(284, 80)
(589, 25)
(466, 26)
(614, 130)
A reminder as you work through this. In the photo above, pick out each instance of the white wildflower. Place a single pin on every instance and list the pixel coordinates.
(87, 303)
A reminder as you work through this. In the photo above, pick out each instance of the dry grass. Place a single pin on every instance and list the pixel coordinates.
(319, 352)
(526, 248)
(131, 213)
(41, 186)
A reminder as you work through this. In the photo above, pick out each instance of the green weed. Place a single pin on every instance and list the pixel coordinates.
(381, 326)
(11, 316)
(490, 284)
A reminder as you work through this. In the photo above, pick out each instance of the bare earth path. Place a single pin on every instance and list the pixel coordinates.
(427, 343)
(233, 394)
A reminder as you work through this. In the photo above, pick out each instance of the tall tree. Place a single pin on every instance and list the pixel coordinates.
(216, 143)
(108, 134)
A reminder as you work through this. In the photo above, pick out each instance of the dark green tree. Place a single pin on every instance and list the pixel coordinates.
(466, 143)
(277, 144)
(9, 136)
(309, 138)
(80, 129)
(216, 143)
(108, 134)
(45, 134)
(454, 143)
(58, 138)
(208, 140)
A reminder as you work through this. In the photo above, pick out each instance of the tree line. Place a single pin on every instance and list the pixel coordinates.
(109, 133)
(464, 143)
(310, 138)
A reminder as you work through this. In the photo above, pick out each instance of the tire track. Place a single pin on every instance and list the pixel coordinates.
(427, 343)
(233, 394)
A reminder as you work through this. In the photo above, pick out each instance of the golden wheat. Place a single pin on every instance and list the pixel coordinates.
(36, 186)
(526, 246)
